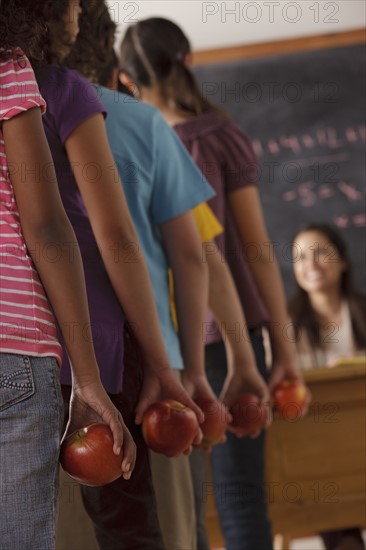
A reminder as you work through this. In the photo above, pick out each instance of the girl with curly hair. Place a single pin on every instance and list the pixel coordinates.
(34, 289)
(116, 277)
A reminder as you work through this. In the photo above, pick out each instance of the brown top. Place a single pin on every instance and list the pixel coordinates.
(226, 158)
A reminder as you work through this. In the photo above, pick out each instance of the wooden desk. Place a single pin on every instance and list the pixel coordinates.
(315, 466)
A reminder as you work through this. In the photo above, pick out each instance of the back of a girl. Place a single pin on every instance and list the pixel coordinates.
(135, 368)
(34, 291)
(155, 60)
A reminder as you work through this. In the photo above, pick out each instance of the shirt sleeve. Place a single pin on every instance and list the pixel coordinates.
(179, 186)
(208, 225)
(72, 100)
(19, 91)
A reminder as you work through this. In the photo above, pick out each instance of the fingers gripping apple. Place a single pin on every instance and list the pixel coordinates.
(291, 399)
(169, 427)
(250, 416)
(216, 420)
(87, 456)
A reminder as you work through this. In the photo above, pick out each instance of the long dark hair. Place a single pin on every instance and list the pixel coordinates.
(22, 26)
(93, 54)
(153, 51)
(300, 309)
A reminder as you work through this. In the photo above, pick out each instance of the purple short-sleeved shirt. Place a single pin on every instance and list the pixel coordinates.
(71, 99)
(225, 156)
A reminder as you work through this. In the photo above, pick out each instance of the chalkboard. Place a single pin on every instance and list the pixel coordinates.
(305, 115)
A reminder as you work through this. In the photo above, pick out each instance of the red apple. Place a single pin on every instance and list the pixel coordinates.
(169, 428)
(290, 399)
(249, 414)
(216, 420)
(87, 456)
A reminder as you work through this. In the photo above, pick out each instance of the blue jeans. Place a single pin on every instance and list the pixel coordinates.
(31, 414)
(238, 469)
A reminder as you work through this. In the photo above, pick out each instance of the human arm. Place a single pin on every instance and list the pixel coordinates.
(242, 376)
(183, 247)
(44, 223)
(247, 212)
(121, 252)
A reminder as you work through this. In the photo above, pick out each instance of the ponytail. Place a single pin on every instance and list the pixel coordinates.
(181, 87)
(153, 52)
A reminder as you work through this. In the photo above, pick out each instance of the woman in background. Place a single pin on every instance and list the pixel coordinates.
(328, 312)
(329, 317)
(155, 56)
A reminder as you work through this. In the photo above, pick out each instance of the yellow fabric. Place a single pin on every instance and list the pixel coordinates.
(208, 227)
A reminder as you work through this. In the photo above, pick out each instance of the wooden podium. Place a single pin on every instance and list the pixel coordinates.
(315, 466)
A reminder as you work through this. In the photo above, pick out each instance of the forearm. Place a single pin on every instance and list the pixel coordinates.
(123, 257)
(247, 212)
(226, 307)
(63, 280)
(116, 237)
(268, 280)
(191, 299)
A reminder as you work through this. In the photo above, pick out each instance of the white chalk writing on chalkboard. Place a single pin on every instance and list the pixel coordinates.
(327, 137)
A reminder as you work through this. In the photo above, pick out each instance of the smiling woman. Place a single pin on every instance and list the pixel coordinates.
(327, 310)
(329, 315)
(320, 264)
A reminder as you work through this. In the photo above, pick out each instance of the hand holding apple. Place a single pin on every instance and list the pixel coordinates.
(249, 415)
(170, 428)
(90, 404)
(162, 385)
(291, 399)
(217, 418)
(87, 456)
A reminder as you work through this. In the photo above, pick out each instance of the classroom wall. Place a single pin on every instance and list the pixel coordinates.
(216, 24)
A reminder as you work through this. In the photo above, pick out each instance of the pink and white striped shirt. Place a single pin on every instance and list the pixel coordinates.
(27, 324)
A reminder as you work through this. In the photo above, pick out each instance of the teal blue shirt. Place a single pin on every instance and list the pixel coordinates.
(160, 181)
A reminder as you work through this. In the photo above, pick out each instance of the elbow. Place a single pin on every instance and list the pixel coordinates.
(45, 232)
(197, 261)
(188, 262)
(120, 243)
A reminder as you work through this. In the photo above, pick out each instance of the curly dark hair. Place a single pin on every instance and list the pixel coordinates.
(21, 25)
(36, 26)
(56, 39)
(92, 53)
